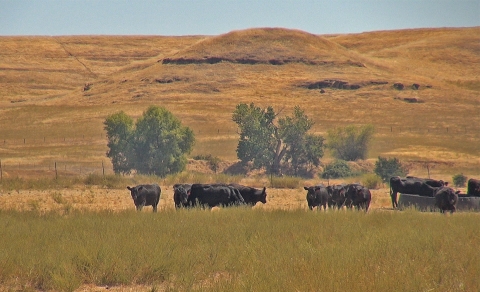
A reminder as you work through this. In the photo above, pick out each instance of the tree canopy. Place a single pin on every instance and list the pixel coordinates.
(156, 144)
(272, 145)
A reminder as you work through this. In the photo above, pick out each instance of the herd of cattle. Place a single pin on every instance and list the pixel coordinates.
(334, 196)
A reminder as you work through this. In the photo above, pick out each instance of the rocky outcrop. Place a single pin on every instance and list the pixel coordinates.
(253, 61)
(340, 84)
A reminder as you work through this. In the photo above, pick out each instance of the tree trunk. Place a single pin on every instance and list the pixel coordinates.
(279, 154)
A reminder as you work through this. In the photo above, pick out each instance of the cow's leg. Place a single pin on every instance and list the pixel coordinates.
(154, 208)
(394, 199)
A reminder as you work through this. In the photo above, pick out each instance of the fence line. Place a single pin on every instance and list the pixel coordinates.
(53, 169)
(383, 129)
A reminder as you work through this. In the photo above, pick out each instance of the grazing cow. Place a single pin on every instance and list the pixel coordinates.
(251, 195)
(413, 186)
(446, 199)
(317, 196)
(473, 187)
(357, 196)
(180, 194)
(212, 195)
(337, 195)
(145, 195)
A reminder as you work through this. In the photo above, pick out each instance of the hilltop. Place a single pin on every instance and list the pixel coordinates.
(420, 88)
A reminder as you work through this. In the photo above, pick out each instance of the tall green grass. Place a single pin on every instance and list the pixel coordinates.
(240, 249)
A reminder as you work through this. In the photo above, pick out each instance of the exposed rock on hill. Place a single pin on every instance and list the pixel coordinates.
(274, 46)
(339, 84)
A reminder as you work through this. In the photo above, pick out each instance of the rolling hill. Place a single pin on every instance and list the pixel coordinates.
(57, 87)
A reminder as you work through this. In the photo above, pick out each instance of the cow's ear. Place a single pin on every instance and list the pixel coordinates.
(264, 190)
(306, 188)
(129, 188)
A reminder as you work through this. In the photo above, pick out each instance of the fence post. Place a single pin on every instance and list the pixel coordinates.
(56, 173)
(103, 169)
(1, 171)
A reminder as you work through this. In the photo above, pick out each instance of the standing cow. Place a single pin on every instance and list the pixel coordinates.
(180, 194)
(337, 195)
(358, 196)
(317, 196)
(145, 195)
(251, 195)
(211, 195)
(446, 199)
(473, 187)
(413, 186)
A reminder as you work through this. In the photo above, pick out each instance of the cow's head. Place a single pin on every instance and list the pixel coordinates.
(135, 191)
(263, 196)
(180, 195)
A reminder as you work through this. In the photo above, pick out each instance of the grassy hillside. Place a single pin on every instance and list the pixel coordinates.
(55, 92)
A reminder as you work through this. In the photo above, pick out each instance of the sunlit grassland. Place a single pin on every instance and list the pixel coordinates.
(241, 250)
(43, 100)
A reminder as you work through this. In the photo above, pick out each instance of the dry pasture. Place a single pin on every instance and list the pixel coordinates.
(56, 92)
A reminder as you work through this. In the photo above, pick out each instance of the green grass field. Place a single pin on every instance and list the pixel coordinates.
(240, 250)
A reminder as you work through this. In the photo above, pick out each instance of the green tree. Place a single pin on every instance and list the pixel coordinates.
(119, 128)
(302, 149)
(156, 145)
(351, 142)
(266, 144)
(337, 169)
(459, 180)
(385, 168)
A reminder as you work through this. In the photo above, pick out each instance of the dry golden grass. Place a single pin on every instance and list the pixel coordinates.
(94, 198)
(42, 90)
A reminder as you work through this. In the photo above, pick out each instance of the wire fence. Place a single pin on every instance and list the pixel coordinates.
(234, 131)
(15, 152)
(54, 169)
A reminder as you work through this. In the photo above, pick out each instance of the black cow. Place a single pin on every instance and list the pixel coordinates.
(251, 195)
(212, 195)
(145, 195)
(317, 196)
(446, 199)
(473, 187)
(357, 196)
(180, 194)
(337, 195)
(429, 181)
(413, 186)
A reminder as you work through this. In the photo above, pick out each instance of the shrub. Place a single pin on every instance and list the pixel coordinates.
(386, 168)
(371, 181)
(337, 169)
(350, 143)
(213, 161)
(459, 180)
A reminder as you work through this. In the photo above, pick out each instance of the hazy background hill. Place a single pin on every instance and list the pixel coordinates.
(56, 91)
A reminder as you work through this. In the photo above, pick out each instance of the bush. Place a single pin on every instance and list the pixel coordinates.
(337, 169)
(213, 161)
(459, 180)
(385, 168)
(350, 143)
(371, 181)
